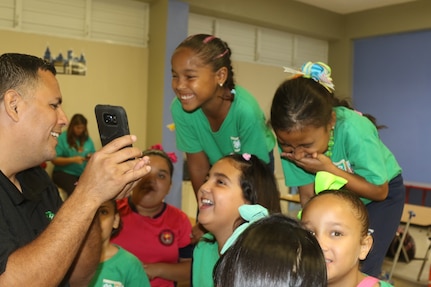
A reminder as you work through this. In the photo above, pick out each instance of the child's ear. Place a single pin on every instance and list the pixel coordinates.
(366, 244)
(222, 75)
(116, 222)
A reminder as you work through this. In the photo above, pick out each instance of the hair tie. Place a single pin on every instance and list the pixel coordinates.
(246, 156)
(250, 213)
(208, 39)
(318, 71)
(172, 156)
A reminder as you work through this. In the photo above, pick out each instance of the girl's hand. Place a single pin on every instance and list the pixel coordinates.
(314, 163)
(79, 159)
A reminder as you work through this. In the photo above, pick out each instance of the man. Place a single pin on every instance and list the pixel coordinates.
(42, 244)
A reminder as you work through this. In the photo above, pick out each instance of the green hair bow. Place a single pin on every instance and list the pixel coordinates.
(250, 213)
(325, 180)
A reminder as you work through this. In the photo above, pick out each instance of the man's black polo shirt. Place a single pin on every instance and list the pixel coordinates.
(23, 216)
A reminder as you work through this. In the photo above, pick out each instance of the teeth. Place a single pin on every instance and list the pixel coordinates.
(207, 201)
(186, 97)
(54, 134)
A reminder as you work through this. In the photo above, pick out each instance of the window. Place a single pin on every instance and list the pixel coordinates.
(123, 22)
(261, 45)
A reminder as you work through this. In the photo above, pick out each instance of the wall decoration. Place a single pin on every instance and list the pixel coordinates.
(67, 65)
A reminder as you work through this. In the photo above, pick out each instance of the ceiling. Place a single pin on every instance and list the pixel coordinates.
(351, 6)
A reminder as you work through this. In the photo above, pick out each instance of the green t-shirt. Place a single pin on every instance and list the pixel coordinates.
(64, 150)
(244, 130)
(121, 270)
(205, 256)
(357, 149)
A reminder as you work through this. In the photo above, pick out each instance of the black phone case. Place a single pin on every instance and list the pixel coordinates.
(112, 122)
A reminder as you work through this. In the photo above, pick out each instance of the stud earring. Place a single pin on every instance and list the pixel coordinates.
(221, 84)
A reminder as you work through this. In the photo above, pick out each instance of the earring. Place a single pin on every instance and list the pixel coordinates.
(221, 84)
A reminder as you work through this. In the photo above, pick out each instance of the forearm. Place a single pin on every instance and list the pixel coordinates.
(45, 261)
(361, 186)
(85, 264)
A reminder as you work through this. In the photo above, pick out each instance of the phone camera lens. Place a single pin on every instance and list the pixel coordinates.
(110, 119)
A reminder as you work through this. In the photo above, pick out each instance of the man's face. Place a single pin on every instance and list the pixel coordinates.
(41, 118)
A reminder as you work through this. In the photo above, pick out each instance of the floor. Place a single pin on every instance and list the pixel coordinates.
(405, 274)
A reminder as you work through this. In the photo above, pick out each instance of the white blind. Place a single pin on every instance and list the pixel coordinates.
(309, 49)
(262, 45)
(119, 21)
(124, 22)
(7, 13)
(240, 38)
(275, 47)
(59, 17)
(199, 24)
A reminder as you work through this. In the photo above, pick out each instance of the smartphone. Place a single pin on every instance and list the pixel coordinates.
(112, 122)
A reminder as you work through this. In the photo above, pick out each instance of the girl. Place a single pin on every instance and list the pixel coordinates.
(315, 133)
(283, 254)
(117, 266)
(156, 232)
(339, 220)
(73, 150)
(234, 181)
(213, 117)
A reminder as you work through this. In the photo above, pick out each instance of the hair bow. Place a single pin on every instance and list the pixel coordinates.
(172, 156)
(325, 180)
(318, 71)
(250, 213)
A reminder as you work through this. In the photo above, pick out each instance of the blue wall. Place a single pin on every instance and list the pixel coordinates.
(391, 81)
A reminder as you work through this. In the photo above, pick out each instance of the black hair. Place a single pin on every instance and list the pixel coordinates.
(257, 181)
(19, 71)
(214, 52)
(354, 203)
(77, 119)
(161, 154)
(301, 102)
(274, 251)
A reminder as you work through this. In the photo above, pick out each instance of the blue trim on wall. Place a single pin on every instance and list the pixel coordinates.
(177, 31)
(391, 81)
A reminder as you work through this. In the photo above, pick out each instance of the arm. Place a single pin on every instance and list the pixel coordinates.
(198, 166)
(178, 272)
(355, 183)
(85, 264)
(305, 193)
(108, 175)
(68, 160)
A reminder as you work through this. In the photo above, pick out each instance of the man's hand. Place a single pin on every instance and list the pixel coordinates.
(112, 171)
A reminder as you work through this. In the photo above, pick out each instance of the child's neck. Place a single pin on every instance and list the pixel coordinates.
(352, 279)
(108, 251)
(150, 211)
(216, 111)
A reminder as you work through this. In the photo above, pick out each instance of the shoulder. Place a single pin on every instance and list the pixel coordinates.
(175, 212)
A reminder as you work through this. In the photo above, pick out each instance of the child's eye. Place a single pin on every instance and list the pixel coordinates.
(220, 182)
(162, 176)
(336, 233)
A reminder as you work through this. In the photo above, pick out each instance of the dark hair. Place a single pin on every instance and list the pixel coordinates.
(161, 154)
(354, 203)
(273, 251)
(257, 181)
(76, 120)
(212, 51)
(301, 102)
(20, 71)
